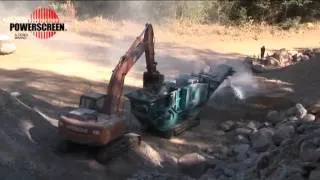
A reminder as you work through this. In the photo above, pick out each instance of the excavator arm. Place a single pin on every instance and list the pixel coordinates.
(152, 79)
(112, 101)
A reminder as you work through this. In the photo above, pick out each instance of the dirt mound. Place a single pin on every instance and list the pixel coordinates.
(27, 146)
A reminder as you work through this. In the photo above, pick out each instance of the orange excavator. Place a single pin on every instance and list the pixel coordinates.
(98, 120)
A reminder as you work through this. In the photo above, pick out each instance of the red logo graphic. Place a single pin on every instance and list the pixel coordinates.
(44, 24)
(44, 16)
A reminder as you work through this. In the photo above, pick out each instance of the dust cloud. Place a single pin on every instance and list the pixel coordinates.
(237, 88)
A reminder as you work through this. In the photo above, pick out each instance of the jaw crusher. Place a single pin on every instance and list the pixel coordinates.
(170, 108)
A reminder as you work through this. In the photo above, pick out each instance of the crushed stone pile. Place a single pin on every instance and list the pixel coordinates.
(280, 58)
(286, 146)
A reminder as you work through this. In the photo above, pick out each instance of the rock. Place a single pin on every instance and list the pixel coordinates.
(249, 61)
(170, 160)
(192, 164)
(6, 45)
(306, 128)
(240, 123)
(272, 61)
(309, 117)
(210, 174)
(309, 151)
(299, 111)
(293, 118)
(262, 139)
(295, 58)
(304, 57)
(314, 175)
(295, 176)
(249, 162)
(141, 175)
(267, 124)
(283, 132)
(227, 125)
(282, 56)
(253, 125)
(242, 139)
(274, 117)
(228, 172)
(241, 151)
(243, 131)
(219, 156)
(209, 150)
(286, 172)
(220, 133)
(316, 51)
(308, 52)
(291, 111)
(292, 52)
(183, 178)
(314, 109)
(258, 68)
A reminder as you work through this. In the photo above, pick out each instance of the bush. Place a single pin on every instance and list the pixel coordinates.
(66, 8)
(290, 23)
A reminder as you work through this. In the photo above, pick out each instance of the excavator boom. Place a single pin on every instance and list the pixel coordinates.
(143, 43)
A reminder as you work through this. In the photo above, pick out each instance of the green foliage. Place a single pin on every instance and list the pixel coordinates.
(56, 6)
(290, 23)
(195, 11)
(286, 13)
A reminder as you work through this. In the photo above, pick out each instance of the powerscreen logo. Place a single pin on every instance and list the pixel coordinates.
(44, 23)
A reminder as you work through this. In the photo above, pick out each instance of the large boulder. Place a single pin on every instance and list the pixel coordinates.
(193, 164)
(298, 110)
(6, 45)
(283, 132)
(274, 117)
(262, 139)
(309, 151)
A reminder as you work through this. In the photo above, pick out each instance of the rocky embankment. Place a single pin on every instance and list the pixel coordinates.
(285, 146)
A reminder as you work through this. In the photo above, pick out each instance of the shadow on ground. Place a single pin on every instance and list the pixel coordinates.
(299, 82)
(172, 59)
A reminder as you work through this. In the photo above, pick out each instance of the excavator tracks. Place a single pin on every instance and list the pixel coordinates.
(118, 147)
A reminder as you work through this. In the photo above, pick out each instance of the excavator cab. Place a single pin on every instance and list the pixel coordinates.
(92, 100)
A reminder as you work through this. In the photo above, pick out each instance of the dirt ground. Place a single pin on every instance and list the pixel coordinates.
(51, 74)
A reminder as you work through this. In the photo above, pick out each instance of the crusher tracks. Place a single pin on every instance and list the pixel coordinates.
(179, 128)
(118, 147)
